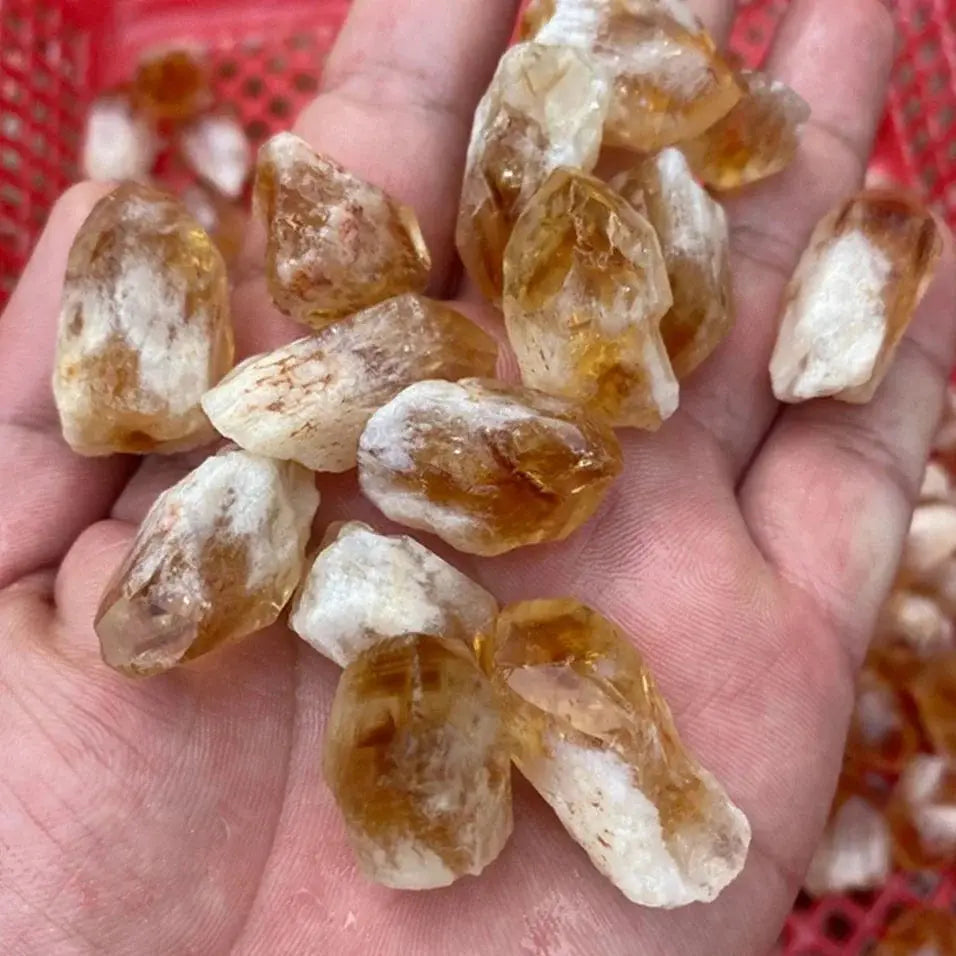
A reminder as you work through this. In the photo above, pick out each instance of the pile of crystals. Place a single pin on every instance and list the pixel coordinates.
(611, 293)
(163, 126)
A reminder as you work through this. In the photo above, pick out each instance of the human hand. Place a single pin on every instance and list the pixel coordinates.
(746, 548)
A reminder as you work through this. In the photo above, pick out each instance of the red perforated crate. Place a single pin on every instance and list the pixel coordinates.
(55, 55)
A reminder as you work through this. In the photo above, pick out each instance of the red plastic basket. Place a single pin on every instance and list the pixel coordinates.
(55, 55)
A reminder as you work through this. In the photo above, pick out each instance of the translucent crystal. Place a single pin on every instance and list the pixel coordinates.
(931, 539)
(585, 290)
(917, 622)
(309, 401)
(216, 557)
(854, 293)
(172, 85)
(336, 244)
(934, 691)
(216, 148)
(922, 814)
(225, 221)
(884, 734)
(117, 144)
(416, 759)
(919, 932)
(486, 466)
(757, 138)
(144, 327)
(592, 734)
(854, 852)
(545, 108)
(669, 83)
(365, 586)
(692, 230)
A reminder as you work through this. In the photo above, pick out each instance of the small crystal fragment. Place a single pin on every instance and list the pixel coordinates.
(757, 138)
(172, 85)
(854, 852)
(487, 467)
(216, 557)
(692, 229)
(931, 539)
(917, 622)
(216, 148)
(585, 290)
(416, 759)
(117, 144)
(309, 401)
(336, 244)
(883, 732)
(922, 814)
(365, 586)
(852, 297)
(934, 691)
(592, 734)
(669, 82)
(919, 932)
(144, 327)
(545, 108)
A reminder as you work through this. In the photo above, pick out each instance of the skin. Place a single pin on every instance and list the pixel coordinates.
(747, 549)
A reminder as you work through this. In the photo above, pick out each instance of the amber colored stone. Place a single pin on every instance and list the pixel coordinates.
(217, 557)
(585, 290)
(853, 853)
(172, 85)
(757, 138)
(118, 144)
(692, 229)
(216, 148)
(309, 401)
(592, 734)
(669, 82)
(883, 732)
(224, 220)
(867, 266)
(336, 244)
(919, 932)
(922, 814)
(144, 327)
(364, 586)
(934, 691)
(544, 108)
(416, 759)
(487, 467)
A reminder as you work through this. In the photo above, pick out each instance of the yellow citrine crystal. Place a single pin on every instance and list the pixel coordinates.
(586, 288)
(336, 244)
(486, 466)
(144, 328)
(592, 734)
(416, 759)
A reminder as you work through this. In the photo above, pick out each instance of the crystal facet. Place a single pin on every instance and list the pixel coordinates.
(593, 735)
(545, 108)
(692, 229)
(117, 144)
(486, 466)
(336, 244)
(585, 290)
(365, 586)
(216, 148)
(852, 296)
(216, 557)
(757, 138)
(144, 327)
(309, 401)
(416, 759)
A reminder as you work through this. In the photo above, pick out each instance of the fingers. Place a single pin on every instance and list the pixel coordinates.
(829, 497)
(837, 56)
(47, 494)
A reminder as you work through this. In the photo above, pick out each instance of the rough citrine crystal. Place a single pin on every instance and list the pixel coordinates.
(884, 734)
(486, 466)
(336, 244)
(692, 229)
(172, 85)
(144, 328)
(854, 293)
(922, 813)
(545, 108)
(854, 852)
(585, 290)
(757, 138)
(934, 691)
(216, 148)
(416, 759)
(592, 733)
(217, 557)
(365, 586)
(117, 144)
(917, 623)
(919, 932)
(225, 221)
(668, 81)
(309, 401)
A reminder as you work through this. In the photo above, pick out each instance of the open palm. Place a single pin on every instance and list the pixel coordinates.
(746, 548)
